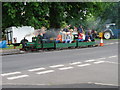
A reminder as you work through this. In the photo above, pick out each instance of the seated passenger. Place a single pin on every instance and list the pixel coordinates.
(80, 29)
(71, 34)
(91, 38)
(66, 29)
(80, 37)
(69, 38)
(59, 38)
(64, 36)
(88, 37)
(46, 38)
(40, 36)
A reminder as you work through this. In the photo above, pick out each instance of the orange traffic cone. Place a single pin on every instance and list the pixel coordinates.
(101, 43)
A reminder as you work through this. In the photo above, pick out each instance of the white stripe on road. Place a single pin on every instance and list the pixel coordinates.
(112, 56)
(106, 44)
(17, 77)
(36, 69)
(99, 62)
(90, 60)
(12, 73)
(116, 42)
(65, 68)
(84, 65)
(44, 72)
(74, 63)
(105, 84)
(55, 66)
(101, 58)
(111, 62)
(111, 43)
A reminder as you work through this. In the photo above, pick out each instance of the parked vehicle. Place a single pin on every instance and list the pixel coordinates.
(111, 31)
(14, 35)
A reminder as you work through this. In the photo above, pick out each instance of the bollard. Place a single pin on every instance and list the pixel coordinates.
(101, 41)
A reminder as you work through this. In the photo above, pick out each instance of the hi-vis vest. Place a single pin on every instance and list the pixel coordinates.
(59, 37)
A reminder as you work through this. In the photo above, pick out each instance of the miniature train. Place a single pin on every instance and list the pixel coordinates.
(66, 38)
(42, 44)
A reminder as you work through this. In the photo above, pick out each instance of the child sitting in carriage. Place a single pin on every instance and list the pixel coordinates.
(81, 37)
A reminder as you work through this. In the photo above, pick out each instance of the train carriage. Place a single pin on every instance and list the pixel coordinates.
(82, 44)
(41, 44)
(65, 45)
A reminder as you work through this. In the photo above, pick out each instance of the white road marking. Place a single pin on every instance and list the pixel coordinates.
(65, 68)
(55, 66)
(90, 60)
(101, 58)
(112, 56)
(102, 83)
(44, 72)
(16, 77)
(36, 69)
(84, 65)
(105, 84)
(23, 84)
(106, 44)
(116, 42)
(111, 62)
(12, 73)
(111, 43)
(74, 63)
(99, 62)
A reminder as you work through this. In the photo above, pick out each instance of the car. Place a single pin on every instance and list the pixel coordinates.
(111, 31)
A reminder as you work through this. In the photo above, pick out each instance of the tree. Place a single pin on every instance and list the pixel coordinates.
(53, 14)
(56, 13)
(11, 14)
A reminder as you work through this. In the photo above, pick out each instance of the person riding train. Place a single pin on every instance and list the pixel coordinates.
(88, 35)
(80, 29)
(59, 38)
(80, 37)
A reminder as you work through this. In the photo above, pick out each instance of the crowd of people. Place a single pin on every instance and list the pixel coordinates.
(69, 34)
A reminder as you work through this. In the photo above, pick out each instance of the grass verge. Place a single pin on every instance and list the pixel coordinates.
(12, 47)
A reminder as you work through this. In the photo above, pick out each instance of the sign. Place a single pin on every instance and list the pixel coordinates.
(101, 34)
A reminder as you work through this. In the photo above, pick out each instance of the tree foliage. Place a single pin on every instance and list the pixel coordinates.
(53, 14)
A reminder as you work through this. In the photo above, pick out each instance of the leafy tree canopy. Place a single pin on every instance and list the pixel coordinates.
(54, 14)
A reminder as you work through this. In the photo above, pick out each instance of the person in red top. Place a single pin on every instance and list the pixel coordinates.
(80, 37)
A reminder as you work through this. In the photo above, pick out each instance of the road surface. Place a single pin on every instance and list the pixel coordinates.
(82, 68)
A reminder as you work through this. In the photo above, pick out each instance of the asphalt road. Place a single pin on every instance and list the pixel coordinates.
(84, 67)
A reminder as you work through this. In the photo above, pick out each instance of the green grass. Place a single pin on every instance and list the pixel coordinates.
(12, 47)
